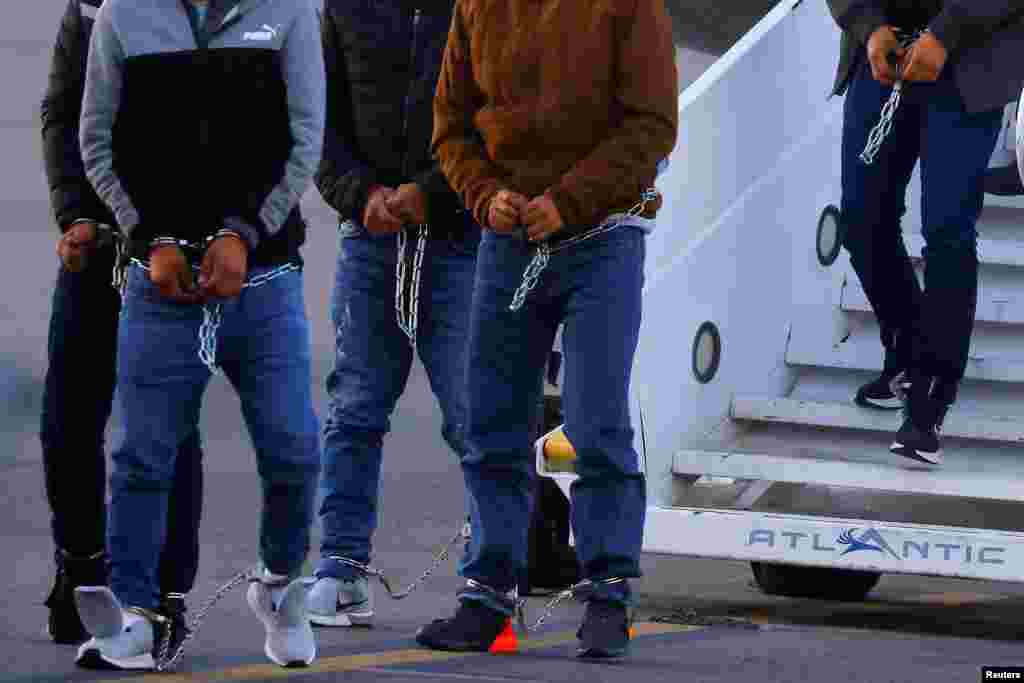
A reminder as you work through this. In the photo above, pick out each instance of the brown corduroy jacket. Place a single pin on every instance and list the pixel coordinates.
(573, 98)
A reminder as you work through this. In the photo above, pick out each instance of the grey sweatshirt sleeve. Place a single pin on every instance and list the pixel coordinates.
(103, 82)
(303, 63)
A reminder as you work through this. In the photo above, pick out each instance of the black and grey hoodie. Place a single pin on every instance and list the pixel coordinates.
(185, 132)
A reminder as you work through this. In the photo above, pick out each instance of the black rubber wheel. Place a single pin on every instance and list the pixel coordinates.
(552, 563)
(819, 583)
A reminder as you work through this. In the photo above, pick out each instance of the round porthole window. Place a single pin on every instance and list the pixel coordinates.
(830, 235)
(707, 352)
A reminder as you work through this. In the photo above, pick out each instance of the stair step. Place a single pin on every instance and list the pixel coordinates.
(842, 416)
(994, 306)
(807, 349)
(990, 478)
(1005, 202)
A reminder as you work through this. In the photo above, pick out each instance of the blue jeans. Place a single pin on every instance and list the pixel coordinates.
(930, 331)
(374, 357)
(594, 288)
(77, 401)
(263, 348)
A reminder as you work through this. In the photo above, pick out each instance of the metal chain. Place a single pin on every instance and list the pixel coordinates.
(540, 259)
(407, 308)
(166, 661)
(577, 590)
(367, 570)
(882, 129)
(212, 317)
(212, 313)
(531, 275)
(208, 337)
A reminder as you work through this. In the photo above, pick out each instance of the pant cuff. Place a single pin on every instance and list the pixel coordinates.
(328, 567)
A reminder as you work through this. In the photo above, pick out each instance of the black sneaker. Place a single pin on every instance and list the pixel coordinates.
(173, 607)
(64, 626)
(605, 631)
(918, 437)
(878, 394)
(474, 628)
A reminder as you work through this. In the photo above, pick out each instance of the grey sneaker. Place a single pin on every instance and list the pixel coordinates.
(122, 639)
(281, 606)
(334, 602)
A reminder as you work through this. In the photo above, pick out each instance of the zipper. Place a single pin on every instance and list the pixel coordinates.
(408, 91)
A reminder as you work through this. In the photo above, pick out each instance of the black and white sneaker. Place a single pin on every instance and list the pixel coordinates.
(918, 437)
(878, 394)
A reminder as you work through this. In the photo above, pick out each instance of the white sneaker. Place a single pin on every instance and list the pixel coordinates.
(121, 639)
(333, 602)
(281, 606)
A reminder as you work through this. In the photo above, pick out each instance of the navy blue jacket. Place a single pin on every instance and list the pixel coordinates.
(382, 59)
(984, 40)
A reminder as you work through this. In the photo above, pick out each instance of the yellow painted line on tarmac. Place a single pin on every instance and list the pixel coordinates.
(957, 599)
(377, 660)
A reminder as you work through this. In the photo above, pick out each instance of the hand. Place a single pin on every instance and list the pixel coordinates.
(378, 218)
(504, 214)
(170, 272)
(224, 267)
(542, 219)
(925, 59)
(74, 245)
(408, 203)
(881, 45)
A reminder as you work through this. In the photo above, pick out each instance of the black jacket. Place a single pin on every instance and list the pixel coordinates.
(382, 61)
(984, 40)
(71, 195)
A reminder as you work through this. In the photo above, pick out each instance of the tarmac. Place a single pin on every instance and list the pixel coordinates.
(697, 619)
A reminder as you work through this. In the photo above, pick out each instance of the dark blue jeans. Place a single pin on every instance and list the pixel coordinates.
(371, 369)
(928, 331)
(77, 402)
(594, 288)
(263, 348)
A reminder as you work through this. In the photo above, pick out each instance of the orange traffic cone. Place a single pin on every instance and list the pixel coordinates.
(507, 643)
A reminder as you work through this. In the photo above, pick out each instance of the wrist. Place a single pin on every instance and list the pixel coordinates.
(226, 233)
(165, 242)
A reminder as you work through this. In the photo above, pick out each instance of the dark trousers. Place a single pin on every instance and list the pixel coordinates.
(927, 332)
(77, 401)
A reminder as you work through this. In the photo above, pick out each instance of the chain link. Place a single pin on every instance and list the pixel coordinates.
(541, 258)
(882, 129)
(212, 313)
(407, 306)
(165, 660)
(578, 590)
(370, 571)
(208, 337)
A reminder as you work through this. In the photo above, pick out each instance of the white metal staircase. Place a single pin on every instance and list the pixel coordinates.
(756, 165)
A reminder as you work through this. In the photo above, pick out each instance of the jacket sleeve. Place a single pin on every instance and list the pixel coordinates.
(967, 22)
(103, 82)
(859, 18)
(71, 195)
(620, 168)
(456, 142)
(344, 179)
(303, 65)
(434, 185)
